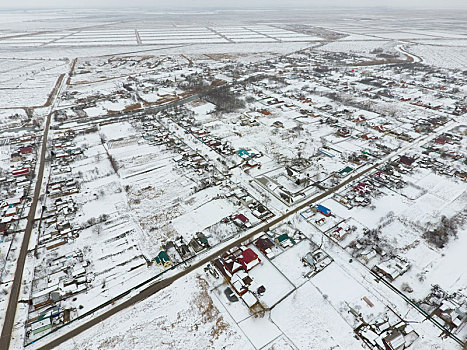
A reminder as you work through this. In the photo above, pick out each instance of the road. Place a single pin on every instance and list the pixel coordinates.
(15, 289)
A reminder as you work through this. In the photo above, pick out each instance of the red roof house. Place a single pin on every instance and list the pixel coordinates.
(264, 244)
(25, 150)
(248, 259)
(232, 266)
(19, 172)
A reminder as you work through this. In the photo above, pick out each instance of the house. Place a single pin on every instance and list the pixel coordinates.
(265, 245)
(183, 250)
(13, 201)
(11, 211)
(284, 240)
(248, 259)
(25, 150)
(241, 220)
(219, 263)
(202, 239)
(323, 210)
(317, 259)
(368, 255)
(394, 341)
(238, 284)
(20, 172)
(326, 153)
(163, 259)
(194, 244)
(343, 132)
(278, 124)
(3, 227)
(244, 153)
(232, 266)
(452, 313)
(15, 157)
(406, 160)
(345, 171)
(392, 268)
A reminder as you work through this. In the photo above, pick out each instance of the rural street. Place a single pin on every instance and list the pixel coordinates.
(15, 289)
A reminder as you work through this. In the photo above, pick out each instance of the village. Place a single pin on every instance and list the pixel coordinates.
(313, 189)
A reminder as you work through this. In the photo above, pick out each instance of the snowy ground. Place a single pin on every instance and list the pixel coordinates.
(320, 98)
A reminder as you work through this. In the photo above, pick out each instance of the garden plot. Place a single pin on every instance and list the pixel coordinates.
(176, 34)
(347, 231)
(397, 35)
(98, 37)
(237, 310)
(34, 40)
(428, 264)
(266, 274)
(10, 118)
(99, 69)
(260, 331)
(114, 261)
(278, 144)
(251, 38)
(203, 217)
(101, 253)
(157, 37)
(106, 42)
(348, 293)
(444, 188)
(320, 221)
(153, 180)
(310, 322)
(290, 262)
(438, 34)
(173, 312)
(362, 46)
(402, 222)
(296, 185)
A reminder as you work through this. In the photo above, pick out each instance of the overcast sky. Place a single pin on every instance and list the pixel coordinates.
(443, 4)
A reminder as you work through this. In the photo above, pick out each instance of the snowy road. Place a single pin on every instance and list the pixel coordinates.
(415, 58)
(15, 289)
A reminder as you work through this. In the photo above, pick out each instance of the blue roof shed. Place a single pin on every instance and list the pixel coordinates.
(325, 211)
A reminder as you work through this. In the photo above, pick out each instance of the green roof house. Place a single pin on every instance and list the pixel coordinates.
(284, 240)
(163, 259)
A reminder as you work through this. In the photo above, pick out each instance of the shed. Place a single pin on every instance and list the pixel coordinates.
(323, 210)
(249, 299)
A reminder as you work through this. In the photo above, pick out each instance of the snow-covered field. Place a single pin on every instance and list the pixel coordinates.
(174, 134)
(170, 320)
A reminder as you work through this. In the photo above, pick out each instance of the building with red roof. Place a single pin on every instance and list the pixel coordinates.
(248, 259)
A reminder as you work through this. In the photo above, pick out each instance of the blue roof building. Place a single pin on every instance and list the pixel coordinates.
(323, 210)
